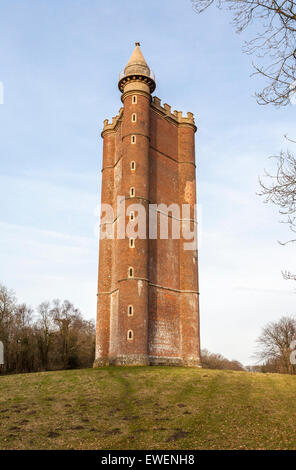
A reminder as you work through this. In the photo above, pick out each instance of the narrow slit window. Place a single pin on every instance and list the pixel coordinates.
(130, 272)
(132, 192)
(134, 99)
(134, 117)
(133, 166)
(130, 335)
(130, 310)
(131, 216)
(132, 243)
(133, 139)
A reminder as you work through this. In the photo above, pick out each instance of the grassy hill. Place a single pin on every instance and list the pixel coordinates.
(150, 407)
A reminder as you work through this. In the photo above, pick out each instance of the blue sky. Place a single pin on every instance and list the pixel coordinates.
(59, 65)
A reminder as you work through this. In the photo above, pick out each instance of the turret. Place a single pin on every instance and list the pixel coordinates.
(133, 253)
(138, 72)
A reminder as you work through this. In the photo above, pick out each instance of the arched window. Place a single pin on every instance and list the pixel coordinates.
(130, 335)
(130, 272)
(132, 192)
(130, 310)
(133, 166)
(134, 117)
(134, 99)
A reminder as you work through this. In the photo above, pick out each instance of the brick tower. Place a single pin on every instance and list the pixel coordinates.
(148, 305)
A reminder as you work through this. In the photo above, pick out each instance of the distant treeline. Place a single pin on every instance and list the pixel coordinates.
(54, 337)
(275, 347)
(217, 361)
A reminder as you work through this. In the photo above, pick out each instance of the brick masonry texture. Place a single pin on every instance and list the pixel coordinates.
(165, 320)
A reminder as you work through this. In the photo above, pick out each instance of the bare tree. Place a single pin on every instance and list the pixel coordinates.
(280, 189)
(76, 335)
(7, 305)
(274, 345)
(23, 344)
(62, 314)
(45, 336)
(7, 310)
(275, 43)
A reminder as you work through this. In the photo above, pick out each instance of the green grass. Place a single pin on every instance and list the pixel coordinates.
(147, 408)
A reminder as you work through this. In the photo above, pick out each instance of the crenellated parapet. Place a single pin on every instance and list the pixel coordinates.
(175, 116)
(112, 126)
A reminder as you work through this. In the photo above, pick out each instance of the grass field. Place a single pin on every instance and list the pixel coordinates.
(147, 408)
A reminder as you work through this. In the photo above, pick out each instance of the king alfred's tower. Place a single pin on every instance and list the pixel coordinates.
(148, 299)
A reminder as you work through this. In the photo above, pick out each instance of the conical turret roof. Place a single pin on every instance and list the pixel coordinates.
(137, 63)
(137, 70)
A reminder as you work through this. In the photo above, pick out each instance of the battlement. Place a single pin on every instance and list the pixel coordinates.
(165, 110)
(176, 116)
(110, 126)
